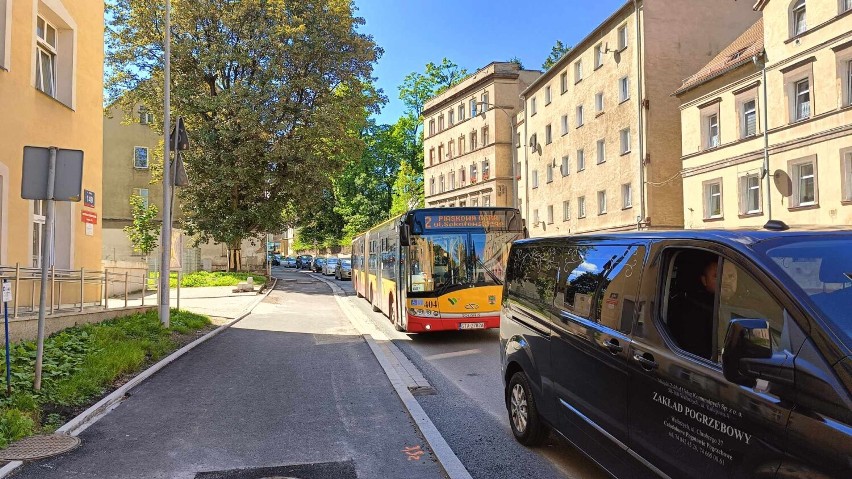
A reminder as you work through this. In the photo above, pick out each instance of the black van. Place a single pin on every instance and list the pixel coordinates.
(684, 354)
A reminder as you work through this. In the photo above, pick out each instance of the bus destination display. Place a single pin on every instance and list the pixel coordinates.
(432, 222)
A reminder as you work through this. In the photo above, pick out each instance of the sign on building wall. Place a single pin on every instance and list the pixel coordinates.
(89, 198)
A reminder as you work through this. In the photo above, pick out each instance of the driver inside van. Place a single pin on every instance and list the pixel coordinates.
(690, 315)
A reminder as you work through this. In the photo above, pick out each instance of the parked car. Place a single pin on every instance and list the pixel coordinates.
(289, 262)
(317, 265)
(343, 269)
(684, 354)
(304, 261)
(330, 263)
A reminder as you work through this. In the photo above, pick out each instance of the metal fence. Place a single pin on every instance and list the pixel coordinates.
(78, 289)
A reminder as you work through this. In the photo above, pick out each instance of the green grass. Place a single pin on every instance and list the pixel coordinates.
(204, 278)
(80, 364)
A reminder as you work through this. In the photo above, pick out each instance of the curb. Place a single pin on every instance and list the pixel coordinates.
(100, 409)
(446, 457)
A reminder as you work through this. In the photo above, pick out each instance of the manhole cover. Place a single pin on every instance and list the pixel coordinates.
(38, 447)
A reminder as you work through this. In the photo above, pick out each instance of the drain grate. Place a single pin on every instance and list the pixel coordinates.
(38, 447)
(323, 470)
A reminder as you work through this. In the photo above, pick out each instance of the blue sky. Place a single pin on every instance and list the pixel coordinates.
(472, 33)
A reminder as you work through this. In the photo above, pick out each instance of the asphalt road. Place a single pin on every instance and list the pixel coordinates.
(468, 408)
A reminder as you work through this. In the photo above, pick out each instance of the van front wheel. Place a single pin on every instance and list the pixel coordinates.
(527, 426)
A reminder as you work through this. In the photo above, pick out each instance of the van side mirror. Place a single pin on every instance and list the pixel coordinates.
(748, 356)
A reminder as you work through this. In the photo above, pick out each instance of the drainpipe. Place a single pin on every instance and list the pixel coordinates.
(766, 140)
(640, 109)
(526, 161)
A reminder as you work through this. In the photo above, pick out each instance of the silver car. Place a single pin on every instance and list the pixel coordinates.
(329, 265)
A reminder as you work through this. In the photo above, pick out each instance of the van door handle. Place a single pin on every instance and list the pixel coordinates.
(646, 360)
(612, 345)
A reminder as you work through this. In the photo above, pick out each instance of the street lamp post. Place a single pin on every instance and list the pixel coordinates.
(504, 109)
(166, 235)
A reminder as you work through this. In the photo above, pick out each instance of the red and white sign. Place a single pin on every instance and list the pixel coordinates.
(89, 217)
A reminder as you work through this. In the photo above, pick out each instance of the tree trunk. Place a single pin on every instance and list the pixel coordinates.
(235, 257)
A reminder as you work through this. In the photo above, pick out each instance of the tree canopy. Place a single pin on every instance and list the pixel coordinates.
(558, 51)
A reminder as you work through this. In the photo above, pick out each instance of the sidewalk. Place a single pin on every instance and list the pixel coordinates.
(292, 390)
(214, 301)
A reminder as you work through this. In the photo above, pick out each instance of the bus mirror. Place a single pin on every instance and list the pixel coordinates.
(404, 234)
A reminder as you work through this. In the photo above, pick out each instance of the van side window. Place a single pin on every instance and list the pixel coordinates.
(601, 283)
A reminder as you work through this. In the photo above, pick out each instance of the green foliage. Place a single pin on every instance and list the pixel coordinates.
(79, 365)
(204, 278)
(517, 61)
(407, 190)
(274, 95)
(558, 51)
(143, 231)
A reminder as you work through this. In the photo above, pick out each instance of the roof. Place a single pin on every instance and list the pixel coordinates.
(738, 53)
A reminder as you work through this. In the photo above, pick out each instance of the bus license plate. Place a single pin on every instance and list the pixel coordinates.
(472, 326)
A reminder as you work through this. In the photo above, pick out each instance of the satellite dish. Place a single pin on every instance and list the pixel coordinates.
(783, 183)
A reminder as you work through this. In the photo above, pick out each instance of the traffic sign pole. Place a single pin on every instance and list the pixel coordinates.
(46, 242)
(7, 293)
(166, 236)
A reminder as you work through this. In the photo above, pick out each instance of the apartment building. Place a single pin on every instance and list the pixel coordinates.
(767, 124)
(598, 148)
(51, 90)
(468, 138)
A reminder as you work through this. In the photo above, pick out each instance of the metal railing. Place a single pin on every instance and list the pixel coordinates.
(78, 289)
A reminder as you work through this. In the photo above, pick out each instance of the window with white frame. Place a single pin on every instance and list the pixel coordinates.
(442, 186)
(599, 102)
(486, 200)
(566, 210)
(601, 148)
(579, 116)
(803, 174)
(748, 118)
(145, 116)
(713, 199)
(711, 128)
(549, 172)
(441, 123)
(473, 144)
(486, 169)
(626, 195)
(798, 18)
(485, 103)
(601, 202)
(461, 113)
(452, 180)
(533, 110)
(566, 166)
(547, 95)
(473, 173)
(581, 160)
(485, 139)
(624, 136)
(451, 146)
(140, 157)
(622, 37)
(549, 214)
(578, 71)
(431, 156)
(46, 50)
(845, 6)
(473, 107)
(451, 117)
(441, 153)
(462, 172)
(548, 135)
(623, 89)
(473, 202)
(461, 145)
(846, 158)
(432, 186)
(564, 124)
(599, 56)
(431, 127)
(802, 99)
(581, 207)
(563, 82)
(535, 217)
(535, 178)
(749, 194)
(142, 193)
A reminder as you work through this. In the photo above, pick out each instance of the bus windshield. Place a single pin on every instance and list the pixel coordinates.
(439, 262)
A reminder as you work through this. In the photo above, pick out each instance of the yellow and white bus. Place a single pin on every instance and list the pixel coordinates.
(437, 269)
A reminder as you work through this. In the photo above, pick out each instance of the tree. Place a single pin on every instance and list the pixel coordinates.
(558, 51)
(407, 190)
(274, 95)
(143, 232)
(517, 61)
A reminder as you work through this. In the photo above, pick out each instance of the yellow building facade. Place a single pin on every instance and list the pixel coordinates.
(51, 90)
(802, 131)
(600, 131)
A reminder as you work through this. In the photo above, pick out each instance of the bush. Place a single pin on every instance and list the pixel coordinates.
(204, 278)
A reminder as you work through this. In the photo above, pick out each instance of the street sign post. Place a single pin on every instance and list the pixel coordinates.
(50, 174)
(7, 296)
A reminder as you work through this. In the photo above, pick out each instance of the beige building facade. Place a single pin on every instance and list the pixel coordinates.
(802, 131)
(599, 139)
(51, 90)
(468, 138)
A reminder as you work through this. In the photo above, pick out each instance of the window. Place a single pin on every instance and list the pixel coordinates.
(601, 202)
(804, 183)
(440, 153)
(462, 172)
(625, 141)
(535, 218)
(578, 71)
(713, 199)
(623, 90)
(473, 107)
(145, 116)
(563, 82)
(461, 145)
(581, 207)
(461, 113)
(142, 193)
(432, 186)
(566, 210)
(798, 18)
(46, 49)
(550, 214)
(598, 56)
(845, 5)
(749, 194)
(547, 95)
(486, 201)
(535, 178)
(473, 144)
(581, 160)
(485, 103)
(564, 124)
(601, 151)
(450, 147)
(431, 156)
(486, 170)
(748, 126)
(485, 140)
(473, 173)
(549, 172)
(622, 37)
(548, 135)
(431, 127)
(566, 166)
(39, 212)
(846, 168)
(442, 185)
(140, 157)
(802, 91)
(532, 106)
(626, 196)
(451, 117)
(452, 180)
(599, 102)
(712, 130)
(847, 85)
(441, 123)
(579, 116)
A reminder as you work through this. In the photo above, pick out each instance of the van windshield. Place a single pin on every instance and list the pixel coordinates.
(823, 270)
